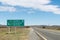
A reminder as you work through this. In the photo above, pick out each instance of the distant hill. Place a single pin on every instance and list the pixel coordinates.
(49, 26)
(3, 25)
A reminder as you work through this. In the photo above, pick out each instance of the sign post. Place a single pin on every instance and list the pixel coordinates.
(9, 30)
(14, 23)
(15, 30)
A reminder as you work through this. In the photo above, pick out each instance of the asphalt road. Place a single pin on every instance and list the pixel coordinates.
(34, 36)
(48, 34)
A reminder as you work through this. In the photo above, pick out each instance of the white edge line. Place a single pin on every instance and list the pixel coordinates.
(41, 35)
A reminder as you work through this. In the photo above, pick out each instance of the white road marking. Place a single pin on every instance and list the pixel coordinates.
(41, 35)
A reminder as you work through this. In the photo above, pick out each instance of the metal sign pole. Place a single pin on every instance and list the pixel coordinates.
(15, 30)
(9, 30)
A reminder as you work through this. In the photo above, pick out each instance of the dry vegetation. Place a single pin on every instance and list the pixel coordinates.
(51, 27)
(21, 34)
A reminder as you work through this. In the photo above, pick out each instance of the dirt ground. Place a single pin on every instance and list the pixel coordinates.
(19, 34)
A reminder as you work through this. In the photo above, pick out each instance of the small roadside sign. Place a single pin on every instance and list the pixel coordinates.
(16, 23)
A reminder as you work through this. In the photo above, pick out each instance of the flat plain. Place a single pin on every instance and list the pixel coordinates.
(21, 33)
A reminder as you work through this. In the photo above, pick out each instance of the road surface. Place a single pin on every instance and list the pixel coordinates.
(34, 36)
(48, 34)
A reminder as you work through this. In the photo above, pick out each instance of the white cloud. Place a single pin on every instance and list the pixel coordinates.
(36, 4)
(6, 8)
(50, 8)
(25, 2)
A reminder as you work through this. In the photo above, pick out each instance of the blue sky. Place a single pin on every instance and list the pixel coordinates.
(45, 12)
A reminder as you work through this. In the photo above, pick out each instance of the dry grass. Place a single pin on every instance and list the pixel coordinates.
(21, 34)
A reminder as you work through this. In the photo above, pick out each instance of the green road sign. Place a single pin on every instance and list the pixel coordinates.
(15, 23)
